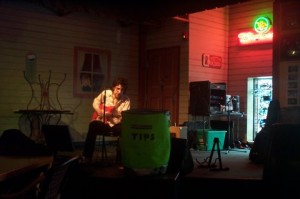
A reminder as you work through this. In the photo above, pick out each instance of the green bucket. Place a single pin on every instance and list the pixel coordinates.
(145, 140)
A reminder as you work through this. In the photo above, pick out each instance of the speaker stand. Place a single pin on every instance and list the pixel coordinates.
(229, 148)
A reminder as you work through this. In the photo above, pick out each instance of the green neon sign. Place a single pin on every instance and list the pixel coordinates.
(262, 25)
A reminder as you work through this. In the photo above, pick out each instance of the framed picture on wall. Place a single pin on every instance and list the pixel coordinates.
(290, 84)
(91, 71)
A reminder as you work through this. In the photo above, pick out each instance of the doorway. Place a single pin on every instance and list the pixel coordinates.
(259, 95)
(162, 81)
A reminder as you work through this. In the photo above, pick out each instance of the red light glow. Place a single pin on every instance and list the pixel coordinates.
(251, 38)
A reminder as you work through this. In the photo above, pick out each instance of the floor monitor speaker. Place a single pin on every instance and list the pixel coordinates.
(58, 137)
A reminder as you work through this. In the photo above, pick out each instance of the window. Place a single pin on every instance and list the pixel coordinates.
(91, 71)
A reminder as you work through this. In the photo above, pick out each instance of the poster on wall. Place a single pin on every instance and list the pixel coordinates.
(211, 61)
(91, 71)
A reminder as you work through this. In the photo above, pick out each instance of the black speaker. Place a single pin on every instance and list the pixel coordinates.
(13, 142)
(199, 104)
(58, 138)
(180, 157)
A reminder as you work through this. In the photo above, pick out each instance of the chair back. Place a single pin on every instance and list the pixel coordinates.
(56, 178)
(282, 165)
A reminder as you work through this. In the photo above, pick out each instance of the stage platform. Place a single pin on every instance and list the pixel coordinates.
(237, 174)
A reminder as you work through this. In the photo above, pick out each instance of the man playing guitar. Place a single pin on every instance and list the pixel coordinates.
(107, 118)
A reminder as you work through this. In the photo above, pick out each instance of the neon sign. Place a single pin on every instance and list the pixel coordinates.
(262, 34)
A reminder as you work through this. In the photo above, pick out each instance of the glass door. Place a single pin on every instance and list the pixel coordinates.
(258, 100)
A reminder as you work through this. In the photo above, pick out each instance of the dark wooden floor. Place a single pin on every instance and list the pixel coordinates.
(231, 174)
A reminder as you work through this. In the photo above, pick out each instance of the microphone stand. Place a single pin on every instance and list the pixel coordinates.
(103, 147)
(228, 127)
(229, 148)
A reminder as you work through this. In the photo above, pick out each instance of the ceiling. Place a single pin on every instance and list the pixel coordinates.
(134, 11)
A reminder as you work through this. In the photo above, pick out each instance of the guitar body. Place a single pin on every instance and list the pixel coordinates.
(108, 109)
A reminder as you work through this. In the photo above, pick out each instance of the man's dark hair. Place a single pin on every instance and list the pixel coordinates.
(122, 81)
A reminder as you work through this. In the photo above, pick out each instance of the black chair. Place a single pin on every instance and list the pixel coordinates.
(259, 148)
(56, 178)
(281, 172)
(58, 138)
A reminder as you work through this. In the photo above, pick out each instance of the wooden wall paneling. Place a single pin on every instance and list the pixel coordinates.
(27, 28)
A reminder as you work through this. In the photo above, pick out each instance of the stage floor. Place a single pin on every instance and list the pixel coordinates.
(235, 164)
(237, 173)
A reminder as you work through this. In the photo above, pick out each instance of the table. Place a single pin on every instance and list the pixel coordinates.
(12, 166)
(39, 117)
